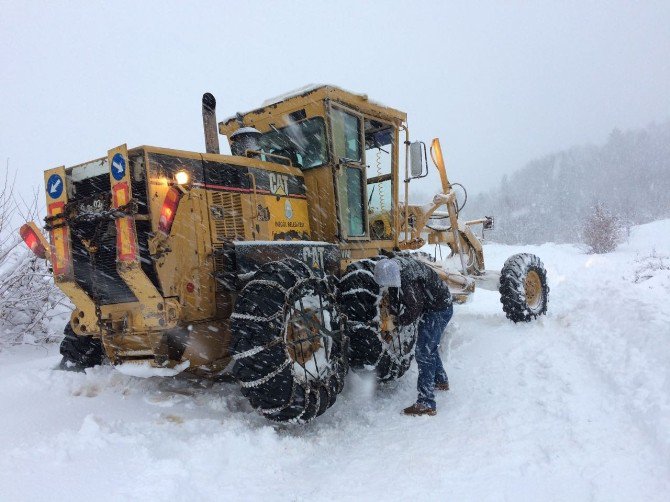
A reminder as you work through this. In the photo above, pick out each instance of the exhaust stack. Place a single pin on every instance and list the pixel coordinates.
(209, 123)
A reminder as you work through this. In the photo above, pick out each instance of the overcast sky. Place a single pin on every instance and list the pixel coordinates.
(500, 83)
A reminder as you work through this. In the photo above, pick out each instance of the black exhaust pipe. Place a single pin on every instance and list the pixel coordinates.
(209, 123)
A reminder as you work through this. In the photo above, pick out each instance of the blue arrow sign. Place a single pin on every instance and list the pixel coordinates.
(118, 167)
(55, 186)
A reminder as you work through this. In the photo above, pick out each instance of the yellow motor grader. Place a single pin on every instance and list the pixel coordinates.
(259, 264)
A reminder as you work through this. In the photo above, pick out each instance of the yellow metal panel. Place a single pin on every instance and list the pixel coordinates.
(156, 312)
(288, 218)
(55, 183)
(57, 198)
(185, 258)
(438, 159)
(120, 180)
(321, 203)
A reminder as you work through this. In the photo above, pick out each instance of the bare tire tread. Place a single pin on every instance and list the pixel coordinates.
(80, 352)
(512, 291)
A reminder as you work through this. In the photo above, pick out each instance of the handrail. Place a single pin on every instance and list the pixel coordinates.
(380, 179)
(407, 143)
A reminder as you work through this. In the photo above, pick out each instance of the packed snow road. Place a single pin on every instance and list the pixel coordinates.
(574, 406)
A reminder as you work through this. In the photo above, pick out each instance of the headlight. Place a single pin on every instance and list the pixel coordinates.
(182, 177)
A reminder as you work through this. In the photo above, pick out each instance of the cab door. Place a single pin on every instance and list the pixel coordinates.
(346, 127)
(381, 158)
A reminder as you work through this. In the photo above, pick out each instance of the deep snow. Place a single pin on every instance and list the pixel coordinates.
(574, 406)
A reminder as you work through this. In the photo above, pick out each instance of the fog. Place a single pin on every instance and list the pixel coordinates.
(499, 83)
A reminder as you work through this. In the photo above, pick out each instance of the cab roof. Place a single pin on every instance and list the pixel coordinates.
(296, 99)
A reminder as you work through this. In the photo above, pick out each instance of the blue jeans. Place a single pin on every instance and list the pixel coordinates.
(431, 370)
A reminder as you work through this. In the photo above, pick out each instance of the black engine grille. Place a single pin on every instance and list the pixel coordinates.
(96, 272)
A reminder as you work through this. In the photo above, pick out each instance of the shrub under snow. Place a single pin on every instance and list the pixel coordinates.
(602, 230)
(29, 300)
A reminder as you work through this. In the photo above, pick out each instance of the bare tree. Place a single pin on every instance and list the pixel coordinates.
(602, 230)
(28, 296)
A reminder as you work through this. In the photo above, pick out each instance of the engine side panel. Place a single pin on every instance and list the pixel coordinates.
(321, 257)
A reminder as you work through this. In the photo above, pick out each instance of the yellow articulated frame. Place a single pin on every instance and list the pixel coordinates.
(157, 313)
(467, 240)
(83, 319)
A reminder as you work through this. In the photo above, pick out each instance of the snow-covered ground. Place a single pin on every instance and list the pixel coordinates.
(575, 406)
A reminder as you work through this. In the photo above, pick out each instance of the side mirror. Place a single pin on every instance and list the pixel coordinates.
(417, 154)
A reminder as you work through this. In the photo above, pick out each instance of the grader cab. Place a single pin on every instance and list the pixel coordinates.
(259, 264)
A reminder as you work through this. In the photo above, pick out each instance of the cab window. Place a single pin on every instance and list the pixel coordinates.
(304, 143)
(350, 192)
(347, 141)
(346, 136)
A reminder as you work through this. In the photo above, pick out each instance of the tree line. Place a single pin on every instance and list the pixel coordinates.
(551, 198)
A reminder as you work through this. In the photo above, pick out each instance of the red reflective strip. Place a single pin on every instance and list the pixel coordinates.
(126, 247)
(120, 194)
(126, 240)
(55, 208)
(60, 242)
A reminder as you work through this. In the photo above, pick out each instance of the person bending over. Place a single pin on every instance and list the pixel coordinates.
(417, 292)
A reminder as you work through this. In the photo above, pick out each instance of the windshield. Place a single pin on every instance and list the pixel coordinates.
(303, 142)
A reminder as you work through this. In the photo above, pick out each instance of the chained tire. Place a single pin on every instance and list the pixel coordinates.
(288, 348)
(524, 292)
(79, 352)
(374, 342)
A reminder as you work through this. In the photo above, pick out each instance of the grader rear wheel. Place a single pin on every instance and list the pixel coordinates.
(524, 292)
(80, 352)
(376, 339)
(290, 357)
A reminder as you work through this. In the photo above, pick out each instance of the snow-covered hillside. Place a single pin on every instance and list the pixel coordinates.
(575, 406)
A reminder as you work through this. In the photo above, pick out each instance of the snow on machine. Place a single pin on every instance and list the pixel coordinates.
(259, 264)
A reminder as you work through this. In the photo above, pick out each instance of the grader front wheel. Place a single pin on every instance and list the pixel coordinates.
(79, 352)
(524, 292)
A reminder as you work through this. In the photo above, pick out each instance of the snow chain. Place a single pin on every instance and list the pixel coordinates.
(269, 376)
(67, 217)
(255, 350)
